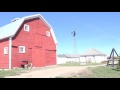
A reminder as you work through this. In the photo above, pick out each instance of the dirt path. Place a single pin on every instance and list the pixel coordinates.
(51, 72)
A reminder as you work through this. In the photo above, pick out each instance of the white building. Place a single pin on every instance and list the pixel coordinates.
(91, 55)
(63, 58)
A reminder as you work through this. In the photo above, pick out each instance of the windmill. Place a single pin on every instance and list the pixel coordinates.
(112, 58)
(75, 50)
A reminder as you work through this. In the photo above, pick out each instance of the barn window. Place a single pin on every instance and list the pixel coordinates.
(5, 50)
(21, 49)
(26, 27)
(48, 33)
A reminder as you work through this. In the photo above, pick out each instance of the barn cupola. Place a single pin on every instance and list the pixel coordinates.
(15, 19)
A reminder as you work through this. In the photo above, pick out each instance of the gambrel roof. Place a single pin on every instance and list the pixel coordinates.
(12, 28)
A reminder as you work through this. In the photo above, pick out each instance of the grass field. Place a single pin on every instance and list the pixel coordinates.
(98, 72)
(78, 64)
(102, 72)
(4, 73)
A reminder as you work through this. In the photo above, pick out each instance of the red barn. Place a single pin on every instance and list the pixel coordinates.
(29, 38)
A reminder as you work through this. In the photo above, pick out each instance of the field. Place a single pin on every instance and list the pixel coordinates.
(97, 72)
(78, 64)
(4, 73)
(68, 70)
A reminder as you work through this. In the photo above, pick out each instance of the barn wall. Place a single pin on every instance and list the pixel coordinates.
(38, 57)
(35, 38)
(4, 57)
(50, 57)
(22, 38)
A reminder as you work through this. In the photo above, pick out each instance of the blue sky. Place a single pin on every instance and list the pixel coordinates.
(99, 30)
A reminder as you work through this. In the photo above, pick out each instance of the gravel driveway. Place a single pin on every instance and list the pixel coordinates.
(53, 71)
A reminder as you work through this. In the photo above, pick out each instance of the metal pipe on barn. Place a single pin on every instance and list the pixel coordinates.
(10, 51)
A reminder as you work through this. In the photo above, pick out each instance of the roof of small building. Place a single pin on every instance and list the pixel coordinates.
(93, 52)
(61, 55)
(69, 55)
(12, 28)
(72, 55)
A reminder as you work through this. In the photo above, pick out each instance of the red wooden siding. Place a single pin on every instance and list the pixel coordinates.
(4, 57)
(39, 49)
(38, 57)
(36, 43)
(50, 57)
(38, 40)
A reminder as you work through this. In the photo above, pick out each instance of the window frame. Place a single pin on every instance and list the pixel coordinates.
(5, 50)
(20, 49)
(48, 33)
(25, 27)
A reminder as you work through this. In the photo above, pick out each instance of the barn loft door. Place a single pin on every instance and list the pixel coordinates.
(38, 40)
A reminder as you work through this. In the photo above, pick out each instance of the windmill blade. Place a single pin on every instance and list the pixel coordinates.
(73, 32)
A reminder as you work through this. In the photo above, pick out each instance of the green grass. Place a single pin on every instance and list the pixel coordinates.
(4, 73)
(102, 72)
(99, 72)
(78, 64)
(70, 64)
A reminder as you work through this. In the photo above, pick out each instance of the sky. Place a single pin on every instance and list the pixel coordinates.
(98, 30)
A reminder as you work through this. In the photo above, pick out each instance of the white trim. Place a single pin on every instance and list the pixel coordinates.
(23, 49)
(54, 37)
(5, 50)
(42, 18)
(21, 20)
(48, 33)
(10, 51)
(25, 25)
(51, 29)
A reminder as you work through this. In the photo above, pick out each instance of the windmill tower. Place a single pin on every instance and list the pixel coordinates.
(112, 57)
(75, 49)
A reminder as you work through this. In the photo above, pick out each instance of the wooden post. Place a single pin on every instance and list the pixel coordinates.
(119, 61)
(113, 59)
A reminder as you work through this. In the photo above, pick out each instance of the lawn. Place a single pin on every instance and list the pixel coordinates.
(98, 72)
(12, 72)
(102, 72)
(78, 64)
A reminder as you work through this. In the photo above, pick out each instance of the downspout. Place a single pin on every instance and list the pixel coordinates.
(10, 51)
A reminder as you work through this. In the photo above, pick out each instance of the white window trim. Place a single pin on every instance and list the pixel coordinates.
(27, 26)
(5, 50)
(23, 49)
(48, 33)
